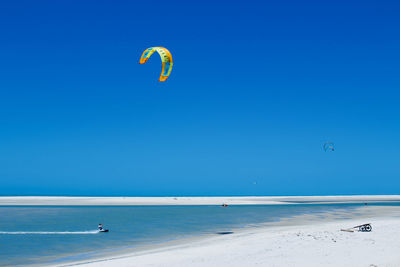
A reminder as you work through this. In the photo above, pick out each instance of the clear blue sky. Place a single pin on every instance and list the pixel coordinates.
(256, 89)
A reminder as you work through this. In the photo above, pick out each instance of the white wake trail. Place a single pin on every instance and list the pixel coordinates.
(51, 233)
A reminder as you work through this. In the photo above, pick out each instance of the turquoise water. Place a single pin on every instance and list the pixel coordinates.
(34, 235)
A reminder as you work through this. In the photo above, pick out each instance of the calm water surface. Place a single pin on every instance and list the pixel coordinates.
(35, 235)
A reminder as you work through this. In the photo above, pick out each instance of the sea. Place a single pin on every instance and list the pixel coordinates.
(61, 234)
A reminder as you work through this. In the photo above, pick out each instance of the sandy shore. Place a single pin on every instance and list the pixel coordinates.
(308, 240)
(131, 201)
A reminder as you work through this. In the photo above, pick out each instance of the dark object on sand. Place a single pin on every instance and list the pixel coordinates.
(224, 233)
(364, 227)
(224, 205)
(361, 228)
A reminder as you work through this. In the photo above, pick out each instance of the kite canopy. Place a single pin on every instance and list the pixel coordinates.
(329, 146)
(166, 59)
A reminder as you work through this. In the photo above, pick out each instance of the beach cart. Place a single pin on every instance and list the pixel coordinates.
(360, 228)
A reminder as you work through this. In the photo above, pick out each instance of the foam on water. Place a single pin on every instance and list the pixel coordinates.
(50, 233)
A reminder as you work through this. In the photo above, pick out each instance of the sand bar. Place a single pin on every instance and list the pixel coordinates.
(137, 201)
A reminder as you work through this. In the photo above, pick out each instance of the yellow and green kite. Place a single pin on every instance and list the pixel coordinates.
(166, 59)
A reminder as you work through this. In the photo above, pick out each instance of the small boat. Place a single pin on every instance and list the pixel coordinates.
(224, 205)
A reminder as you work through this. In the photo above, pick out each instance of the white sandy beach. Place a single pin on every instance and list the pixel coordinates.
(308, 240)
(132, 201)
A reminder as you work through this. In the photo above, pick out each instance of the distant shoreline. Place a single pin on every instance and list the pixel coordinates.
(172, 201)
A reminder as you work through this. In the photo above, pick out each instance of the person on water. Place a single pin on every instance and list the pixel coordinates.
(100, 227)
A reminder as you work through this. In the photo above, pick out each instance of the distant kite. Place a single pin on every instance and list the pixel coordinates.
(166, 59)
(329, 146)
